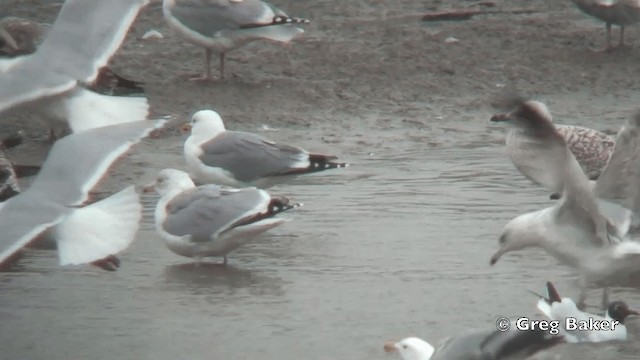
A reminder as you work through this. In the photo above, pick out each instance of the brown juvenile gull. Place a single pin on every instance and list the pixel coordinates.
(612, 12)
(53, 80)
(587, 229)
(211, 220)
(239, 159)
(223, 25)
(55, 203)
(590, 147)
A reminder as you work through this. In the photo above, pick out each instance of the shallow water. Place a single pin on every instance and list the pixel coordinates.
(396, 245)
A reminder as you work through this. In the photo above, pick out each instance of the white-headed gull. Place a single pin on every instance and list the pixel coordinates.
(588, 228)
(223, 25)
(479, 345)
(211, 220)
(239, 159)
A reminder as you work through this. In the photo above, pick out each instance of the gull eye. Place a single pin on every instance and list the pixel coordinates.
(404, 346)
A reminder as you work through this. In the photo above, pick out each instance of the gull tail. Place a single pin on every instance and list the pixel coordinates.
(280, 204)
(99, 230)
(278, 20)
(88, 109)
(319, 163)
(110, 83)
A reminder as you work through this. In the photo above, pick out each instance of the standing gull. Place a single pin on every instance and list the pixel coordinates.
(56, 199)
(212, 220)
(239, 159)
(591, 148)
(223, 25)
(561, 309)
(479, 345)
(586, 229)
(54, 78)
(612, 12)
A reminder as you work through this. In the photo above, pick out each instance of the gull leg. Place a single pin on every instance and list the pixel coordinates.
(621, 41)
(582, 297)
(206, 76)
(605, 299)
(52, 135)
(222, 66)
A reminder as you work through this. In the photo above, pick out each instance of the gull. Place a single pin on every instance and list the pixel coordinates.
(54, 79)
(223, 25)
(477, 345)
(55, 205)
(612, 12)
(19, 37)
(240, 159)
(587, 229)
(591, 148)
(560, 309)
(211, 220)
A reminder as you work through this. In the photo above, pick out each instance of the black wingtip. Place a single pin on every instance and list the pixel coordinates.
(554, 296)
(280, 204)
(12, 140)
(278, 20)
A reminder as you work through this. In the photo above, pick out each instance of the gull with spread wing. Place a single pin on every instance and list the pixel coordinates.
(55, 205)
(587, 229)
(55, 79)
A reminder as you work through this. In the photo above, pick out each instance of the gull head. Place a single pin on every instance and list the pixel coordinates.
(411, 348)
(519, 233)
(206, 122)
(527, 114)
(619, 310)
(170, 182)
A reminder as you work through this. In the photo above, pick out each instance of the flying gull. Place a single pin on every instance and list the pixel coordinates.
(240, 159)
(560, 309)
(55, 77)
(591, 148)
(19, 36)
(211, 220)
(478, 345)
(612, 12)
(54, 204)
(588, 228)
(223, 25)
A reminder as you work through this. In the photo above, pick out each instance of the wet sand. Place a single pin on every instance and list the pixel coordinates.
(396, 245)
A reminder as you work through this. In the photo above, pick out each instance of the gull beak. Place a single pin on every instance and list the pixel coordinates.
(149, 188)
(390, 347)
(496, 256)
(633, 312)
(186, 128)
